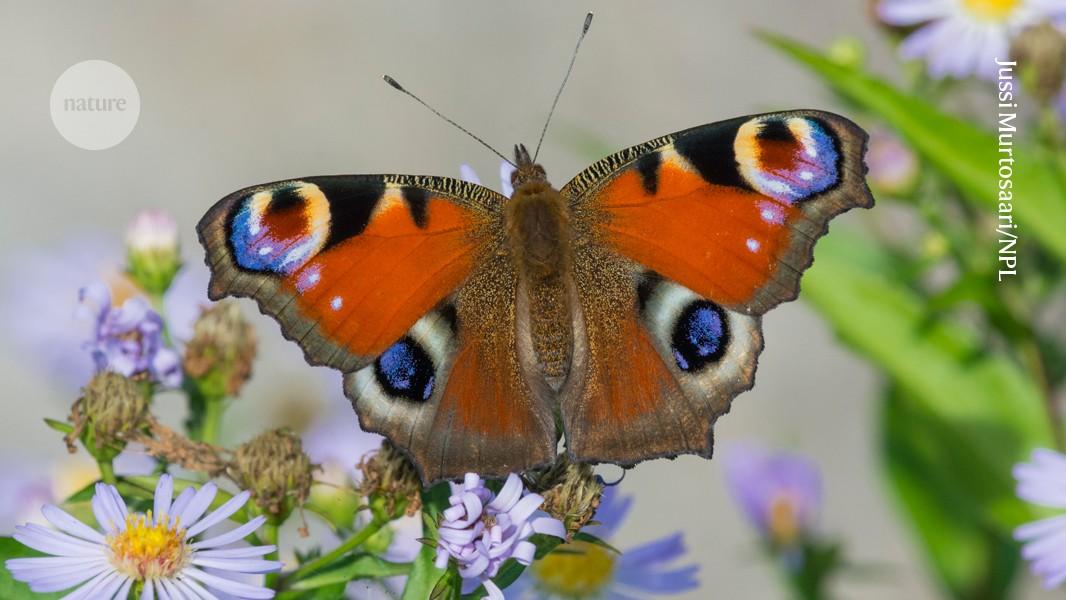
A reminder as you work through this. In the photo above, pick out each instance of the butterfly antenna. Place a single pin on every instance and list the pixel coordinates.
(396, 84)
(584, 30)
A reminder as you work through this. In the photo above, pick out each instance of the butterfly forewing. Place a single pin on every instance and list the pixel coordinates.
(680, 244)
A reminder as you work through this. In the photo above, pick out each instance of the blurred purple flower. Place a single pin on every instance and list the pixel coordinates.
(595, 572)
(1042, 481)
(152, 230)
(481, 530)
(44, 283)
(128, 339)
(467, 173)
(893, 167)
(959, 38)
(781, 494)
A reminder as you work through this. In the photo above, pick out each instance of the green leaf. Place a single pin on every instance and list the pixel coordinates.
(994, 411)
(350, 568)
(332, 592)
(10, 589)
(337, 505)
(940, 489)
(964, 153)
(60, 426)
(425, 575)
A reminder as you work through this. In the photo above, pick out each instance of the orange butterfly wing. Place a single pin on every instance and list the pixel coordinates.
(688, 239)
(390, 279)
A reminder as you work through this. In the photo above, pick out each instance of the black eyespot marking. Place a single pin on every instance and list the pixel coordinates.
(649, 280)
(416, 199)
(701, 336)
(648, 168)
(351, 202)
(450, 316)
(405, 370)
(710, 150)
(775, 130)
(286, 198)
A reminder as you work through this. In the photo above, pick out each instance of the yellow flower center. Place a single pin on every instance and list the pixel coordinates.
(783, 521)
(149, 551)
(575, 570)
(991, 10)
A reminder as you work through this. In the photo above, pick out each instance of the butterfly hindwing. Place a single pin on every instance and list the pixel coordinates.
(680, 245)
(399, 282)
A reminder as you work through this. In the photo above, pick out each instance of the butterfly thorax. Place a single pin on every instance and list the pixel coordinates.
(538, 224)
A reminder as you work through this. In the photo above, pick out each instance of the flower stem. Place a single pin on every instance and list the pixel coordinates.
(212, 420)
(269, 534)
(107, 471)
(347, 546)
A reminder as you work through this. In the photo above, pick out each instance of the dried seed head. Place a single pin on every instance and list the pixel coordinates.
(571, 492)
(274, 467)
(111, 408)
(389, 476)
(222, 349)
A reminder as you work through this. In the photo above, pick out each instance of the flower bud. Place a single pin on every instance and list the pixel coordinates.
(221, 351)
(152, 250)
(275, 469)
(1041, 55)
(111, 408)
(571, 492)
(390, 479)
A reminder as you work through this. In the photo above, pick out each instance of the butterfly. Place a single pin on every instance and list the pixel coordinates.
(620, 312)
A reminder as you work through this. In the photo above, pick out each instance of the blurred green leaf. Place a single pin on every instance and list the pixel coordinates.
(940, 488)
(425, 575)
(9, 588)
(350, 568)
(966, 154)
(995, 413)
(332, 592)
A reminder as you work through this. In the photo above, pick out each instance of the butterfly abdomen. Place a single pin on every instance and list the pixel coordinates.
(538, 231)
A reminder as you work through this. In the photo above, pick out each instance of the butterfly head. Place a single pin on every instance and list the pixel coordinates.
(525, 169)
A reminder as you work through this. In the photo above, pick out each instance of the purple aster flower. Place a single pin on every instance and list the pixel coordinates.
(1042, 481)
(155, 549)
(781, 494)
(590, 571)
(44, 283)
(959, 38)
(480, 530)
(128, 339)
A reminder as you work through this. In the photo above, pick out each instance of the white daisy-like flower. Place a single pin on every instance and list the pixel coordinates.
(1042, 481)
(959, 38)
(155, 549)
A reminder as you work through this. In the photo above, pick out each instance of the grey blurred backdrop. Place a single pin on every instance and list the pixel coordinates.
(236, 93)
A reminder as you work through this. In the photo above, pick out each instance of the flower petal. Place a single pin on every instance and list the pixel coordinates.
(148, 593)
(195, 588)
(64, 522)
(181, 503)
(48, 541)
(506, 187)
(912, 12)
(238, 565)
(220, 514)
(164, 497)
(467, 173)
(245, 552)
(237, 588)
(92, 589)
(107, 514)
(231, 536)
(199, 504)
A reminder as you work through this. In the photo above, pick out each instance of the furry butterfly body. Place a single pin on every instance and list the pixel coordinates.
(620, 312)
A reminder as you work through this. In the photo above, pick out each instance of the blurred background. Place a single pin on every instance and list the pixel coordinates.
(238, 93)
